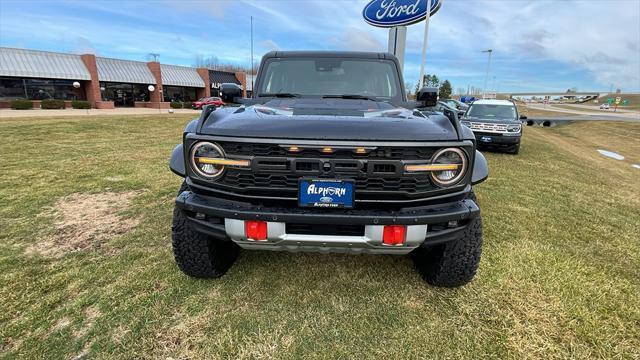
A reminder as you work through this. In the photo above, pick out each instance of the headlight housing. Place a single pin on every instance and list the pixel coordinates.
(514, 128)
(449, 156)
(201, 155)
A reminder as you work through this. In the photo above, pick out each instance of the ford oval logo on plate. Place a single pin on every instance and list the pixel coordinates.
(390, 13)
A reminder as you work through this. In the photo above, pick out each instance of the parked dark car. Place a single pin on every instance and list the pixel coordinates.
(457, 104)
(215, 101)
(441, 105)
(329, 156)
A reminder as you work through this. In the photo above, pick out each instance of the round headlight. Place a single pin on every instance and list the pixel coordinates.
(202, 151)
(449, 156)
(514, 128)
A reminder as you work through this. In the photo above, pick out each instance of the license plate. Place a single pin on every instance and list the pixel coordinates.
(325, 193)
(485, 139)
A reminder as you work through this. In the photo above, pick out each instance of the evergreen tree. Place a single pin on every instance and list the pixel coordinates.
(445, 90)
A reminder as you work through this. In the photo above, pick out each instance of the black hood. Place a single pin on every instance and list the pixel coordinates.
(328, 119)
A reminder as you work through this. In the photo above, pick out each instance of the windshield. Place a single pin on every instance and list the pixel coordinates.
(487, 111)
(330, 77)
(457, 103)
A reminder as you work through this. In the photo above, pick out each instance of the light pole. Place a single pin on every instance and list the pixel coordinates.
(486, 76)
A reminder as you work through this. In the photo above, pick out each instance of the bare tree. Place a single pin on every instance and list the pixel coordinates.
(214, 63)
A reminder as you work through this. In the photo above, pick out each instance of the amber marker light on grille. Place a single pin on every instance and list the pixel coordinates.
(217, 161)
(294, 148)
(327, 150)
(432, 167)
(361, 150)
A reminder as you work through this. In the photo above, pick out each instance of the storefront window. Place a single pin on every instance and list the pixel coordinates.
(141, 92)
(39, 89)
(179, 93)
(124, 94)
(11, 89)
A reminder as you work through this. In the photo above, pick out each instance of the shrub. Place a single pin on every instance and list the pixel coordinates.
(186, 105)
(80, 104)
(52, 104)
(21, 104)
(176, 105)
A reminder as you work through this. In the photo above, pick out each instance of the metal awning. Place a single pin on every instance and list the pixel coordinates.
(217, 77)
(174, 75)
(42, 64)
(124, 71)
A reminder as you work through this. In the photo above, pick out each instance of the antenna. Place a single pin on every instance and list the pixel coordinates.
(252, 54)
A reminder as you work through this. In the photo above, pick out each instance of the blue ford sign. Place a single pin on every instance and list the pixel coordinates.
(390, 13)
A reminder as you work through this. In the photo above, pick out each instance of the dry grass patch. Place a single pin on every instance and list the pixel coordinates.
(59, 325)
(85, 221)
(90, 315)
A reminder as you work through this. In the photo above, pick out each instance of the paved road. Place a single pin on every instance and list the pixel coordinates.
(587, 114)
(592, 108)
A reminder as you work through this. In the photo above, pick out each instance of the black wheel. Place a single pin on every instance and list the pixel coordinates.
(199, 255)
(454, 263)
(516, 149)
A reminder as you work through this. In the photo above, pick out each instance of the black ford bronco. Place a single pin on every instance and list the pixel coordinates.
(328, 155)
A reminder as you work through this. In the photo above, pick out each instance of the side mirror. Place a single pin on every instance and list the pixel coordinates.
(230, 92)
(453, 117)
(523, 117)
(427, 97)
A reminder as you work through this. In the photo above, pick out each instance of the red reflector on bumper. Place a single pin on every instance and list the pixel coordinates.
(394, 235)
(255, 230)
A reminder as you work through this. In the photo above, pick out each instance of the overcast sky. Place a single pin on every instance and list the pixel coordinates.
(538, 45)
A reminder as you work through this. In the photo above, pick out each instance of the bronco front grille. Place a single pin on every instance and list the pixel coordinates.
(378, 174)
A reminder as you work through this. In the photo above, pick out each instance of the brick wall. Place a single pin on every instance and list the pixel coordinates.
(206, 91)
(92, 87)
(242, 77)
(156, 95)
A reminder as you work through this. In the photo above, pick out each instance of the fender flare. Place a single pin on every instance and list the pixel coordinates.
(480, 169)
(176, 164)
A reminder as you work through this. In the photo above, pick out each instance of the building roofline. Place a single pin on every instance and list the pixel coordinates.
(41, 51)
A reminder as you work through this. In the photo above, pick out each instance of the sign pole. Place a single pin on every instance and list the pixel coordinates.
(397, 43)
(424, 44)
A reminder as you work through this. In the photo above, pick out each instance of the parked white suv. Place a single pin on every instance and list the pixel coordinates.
(496, 124)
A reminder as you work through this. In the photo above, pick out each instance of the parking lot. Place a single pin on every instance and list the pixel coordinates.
(87, 266)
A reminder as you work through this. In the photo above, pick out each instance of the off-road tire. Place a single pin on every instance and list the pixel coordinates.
(199, 255)
(516, 150)
(454, 263)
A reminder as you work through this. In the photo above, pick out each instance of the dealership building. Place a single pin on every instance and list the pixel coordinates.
(104, 82)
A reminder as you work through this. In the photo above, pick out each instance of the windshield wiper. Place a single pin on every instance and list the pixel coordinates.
(350, 96)
(279, 95)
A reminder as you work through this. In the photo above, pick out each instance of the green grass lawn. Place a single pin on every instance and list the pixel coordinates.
(559, 277)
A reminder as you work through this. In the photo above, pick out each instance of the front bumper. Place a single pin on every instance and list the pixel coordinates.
(497, 140)
(428, 225)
